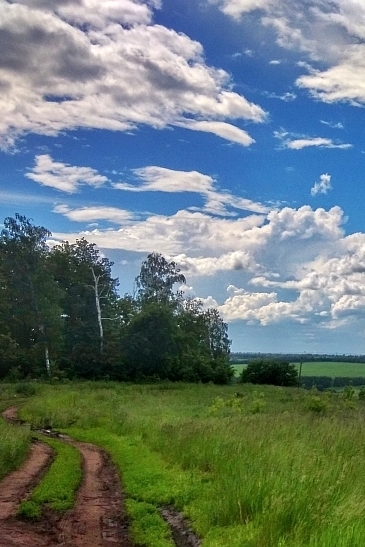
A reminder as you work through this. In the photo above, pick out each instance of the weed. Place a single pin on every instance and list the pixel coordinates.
(30, 510)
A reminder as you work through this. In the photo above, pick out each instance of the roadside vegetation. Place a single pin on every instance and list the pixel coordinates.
(15, 442)
(249, 465)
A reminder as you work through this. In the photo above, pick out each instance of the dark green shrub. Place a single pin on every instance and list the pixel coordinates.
(270, 371)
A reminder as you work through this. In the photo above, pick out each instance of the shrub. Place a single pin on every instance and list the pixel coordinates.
(270, 371)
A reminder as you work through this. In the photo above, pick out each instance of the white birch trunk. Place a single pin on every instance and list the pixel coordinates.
(98, 309)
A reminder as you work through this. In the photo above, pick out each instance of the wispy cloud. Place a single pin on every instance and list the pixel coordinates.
(293, 143)
(63, 177)
(322, 186)
(90, 214)
(333, 125)
(217, 201)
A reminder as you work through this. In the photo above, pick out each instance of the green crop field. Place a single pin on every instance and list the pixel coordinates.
(250, 466)
(323, 368)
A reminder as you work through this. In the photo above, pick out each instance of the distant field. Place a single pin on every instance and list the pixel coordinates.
(333, 369)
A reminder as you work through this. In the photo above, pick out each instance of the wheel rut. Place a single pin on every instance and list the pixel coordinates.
(98, 519)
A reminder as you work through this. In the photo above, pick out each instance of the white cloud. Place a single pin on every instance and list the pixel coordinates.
(322, 186)
(105, 65)
(89, 214)
(333, 125)
(63, 177)
(288, 141)
(160, 179)
(296, 265)
(298, 144)
(331, 31)
(236, 8)
(217, 202)
(287, 96)
(342, 82)
(221, 129)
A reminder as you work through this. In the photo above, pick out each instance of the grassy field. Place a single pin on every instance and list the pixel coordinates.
(322, 368)
(251, 466)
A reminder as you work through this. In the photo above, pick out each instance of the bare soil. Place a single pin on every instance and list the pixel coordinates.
(98, 519)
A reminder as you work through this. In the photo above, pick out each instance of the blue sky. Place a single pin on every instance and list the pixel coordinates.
(225, 134)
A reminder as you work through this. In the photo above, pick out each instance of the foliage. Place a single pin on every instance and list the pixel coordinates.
(30, 308)
(156, 280)
(61, 314)
(270, 371)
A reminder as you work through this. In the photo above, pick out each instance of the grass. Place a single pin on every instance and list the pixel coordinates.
(58, 487)
(15, 441)
(332, 369)
(251, 466)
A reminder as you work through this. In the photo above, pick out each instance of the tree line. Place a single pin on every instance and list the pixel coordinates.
(61, 315)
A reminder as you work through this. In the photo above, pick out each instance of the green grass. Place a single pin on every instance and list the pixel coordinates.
(332, 369)
(272, 467)
(58, 487)
(14, 441)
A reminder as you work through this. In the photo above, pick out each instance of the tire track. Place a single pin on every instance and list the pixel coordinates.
(98, 519)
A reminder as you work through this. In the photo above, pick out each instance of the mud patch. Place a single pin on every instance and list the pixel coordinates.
(16, 486)
(98, 519)
(180, 527)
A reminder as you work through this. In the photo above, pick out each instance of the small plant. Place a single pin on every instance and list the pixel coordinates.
(25, 389)
(349, 393)
(361, 393)
(316, 404)
(30, 510)
(257, 404)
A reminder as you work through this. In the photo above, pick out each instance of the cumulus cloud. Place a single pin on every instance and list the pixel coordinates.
(295, 264)
(330, 31)
(62, 176)
(322, 186)
(106, 65)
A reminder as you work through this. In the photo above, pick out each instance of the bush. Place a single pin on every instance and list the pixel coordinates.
(270, 371)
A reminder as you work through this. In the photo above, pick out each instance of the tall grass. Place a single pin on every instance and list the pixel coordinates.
(251, 467)
(14, 441)
(14, 446)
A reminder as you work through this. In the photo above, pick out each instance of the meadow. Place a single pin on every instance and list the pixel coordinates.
(333, 369)
(250, 466)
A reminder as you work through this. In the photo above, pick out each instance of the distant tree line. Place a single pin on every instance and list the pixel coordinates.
(61, 314)
(243, 357)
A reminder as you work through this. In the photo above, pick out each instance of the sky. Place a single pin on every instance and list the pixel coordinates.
(227, 135)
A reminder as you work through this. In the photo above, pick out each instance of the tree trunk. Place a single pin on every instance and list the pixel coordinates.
(98, 308)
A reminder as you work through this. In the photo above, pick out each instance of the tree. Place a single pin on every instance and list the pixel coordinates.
(90, 299)
(156, 280)
(151, 344)
(30, 290)
(172, 338)
(206, 345)
(270, 371)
